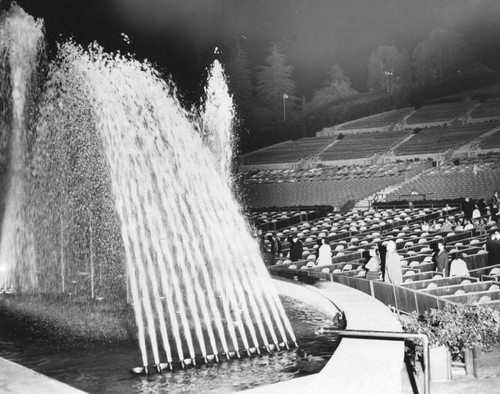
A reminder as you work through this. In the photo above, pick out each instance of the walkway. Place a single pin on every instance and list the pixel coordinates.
(16, 379)
(358, 365)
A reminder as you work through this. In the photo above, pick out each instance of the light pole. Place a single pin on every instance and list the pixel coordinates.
(285, 96)
(387, 75)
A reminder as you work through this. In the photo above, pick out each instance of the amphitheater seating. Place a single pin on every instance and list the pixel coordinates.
(482, 286)
(287, 152)
(491, 142)
(440, 113)
(440, 139)
(381, 120)
(264, 189)
(347, 172)
(465, 288)
(354, 146)
(490, 109)
(475, 178)
(334, 193)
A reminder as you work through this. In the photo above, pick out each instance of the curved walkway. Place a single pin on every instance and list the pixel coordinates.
(358, 365)
(16, 379)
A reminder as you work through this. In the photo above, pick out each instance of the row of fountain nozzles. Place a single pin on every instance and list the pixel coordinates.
(191, 362)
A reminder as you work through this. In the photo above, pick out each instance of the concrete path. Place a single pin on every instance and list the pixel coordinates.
(16, 379)
(358, 365)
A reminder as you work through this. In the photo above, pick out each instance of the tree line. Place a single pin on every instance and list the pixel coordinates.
(271, 110)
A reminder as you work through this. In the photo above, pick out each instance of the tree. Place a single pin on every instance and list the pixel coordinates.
(274, 80)
(388, 69)
(337, 85)
(239, 77)
(439, 57)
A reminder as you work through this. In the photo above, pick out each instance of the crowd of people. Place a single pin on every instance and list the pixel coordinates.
(383, 261)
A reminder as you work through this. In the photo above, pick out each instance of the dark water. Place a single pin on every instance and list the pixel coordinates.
(102, 369)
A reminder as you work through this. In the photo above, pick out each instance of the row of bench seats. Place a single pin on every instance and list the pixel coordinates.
(417, 267)
(446, 112)
(440, 139)
(329, 173)
(382, 120)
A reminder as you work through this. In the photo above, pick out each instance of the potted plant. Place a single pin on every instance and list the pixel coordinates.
(468, 331)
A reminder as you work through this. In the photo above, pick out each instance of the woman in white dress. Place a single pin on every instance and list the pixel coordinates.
(325, 254)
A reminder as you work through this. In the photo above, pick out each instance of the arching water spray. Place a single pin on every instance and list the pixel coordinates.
(122, 182)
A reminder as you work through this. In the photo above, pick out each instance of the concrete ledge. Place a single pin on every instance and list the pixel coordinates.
(16, 379)
(358, 365)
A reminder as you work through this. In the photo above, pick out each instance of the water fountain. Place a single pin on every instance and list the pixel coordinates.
(114, 196)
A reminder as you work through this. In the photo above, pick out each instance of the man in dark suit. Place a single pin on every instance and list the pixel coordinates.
(493, 248)
(468, 207)
(441, 260)
(296, 249)
(275, 248)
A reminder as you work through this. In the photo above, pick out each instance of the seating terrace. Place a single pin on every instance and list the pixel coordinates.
(491, 142)
(440, 113)
(363, 145)
(440, 139)
(354, 232)
(473, 177)
(490, 109)
(324, 173)
(287, 152)
(382, 120)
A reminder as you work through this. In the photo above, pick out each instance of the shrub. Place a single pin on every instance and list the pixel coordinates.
(458, 327)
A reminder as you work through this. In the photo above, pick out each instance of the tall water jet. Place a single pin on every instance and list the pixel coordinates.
(217, 120)
(126, 201)
(21, 39)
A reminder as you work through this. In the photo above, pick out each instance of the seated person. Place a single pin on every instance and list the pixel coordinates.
(468, 225)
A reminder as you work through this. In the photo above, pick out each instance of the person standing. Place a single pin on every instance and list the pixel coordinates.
(393, 272)
(275, 248)
(382, 252)
(467, 207)
(441, 259)
(493, 248)
(296, 249)
(373, 265)
(324, 253)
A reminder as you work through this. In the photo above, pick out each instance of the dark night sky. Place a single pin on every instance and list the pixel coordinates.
(179, 36)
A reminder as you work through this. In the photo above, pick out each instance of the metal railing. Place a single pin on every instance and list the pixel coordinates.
(367, 334)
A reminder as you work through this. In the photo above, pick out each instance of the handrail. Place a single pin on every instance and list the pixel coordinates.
(369, 334)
